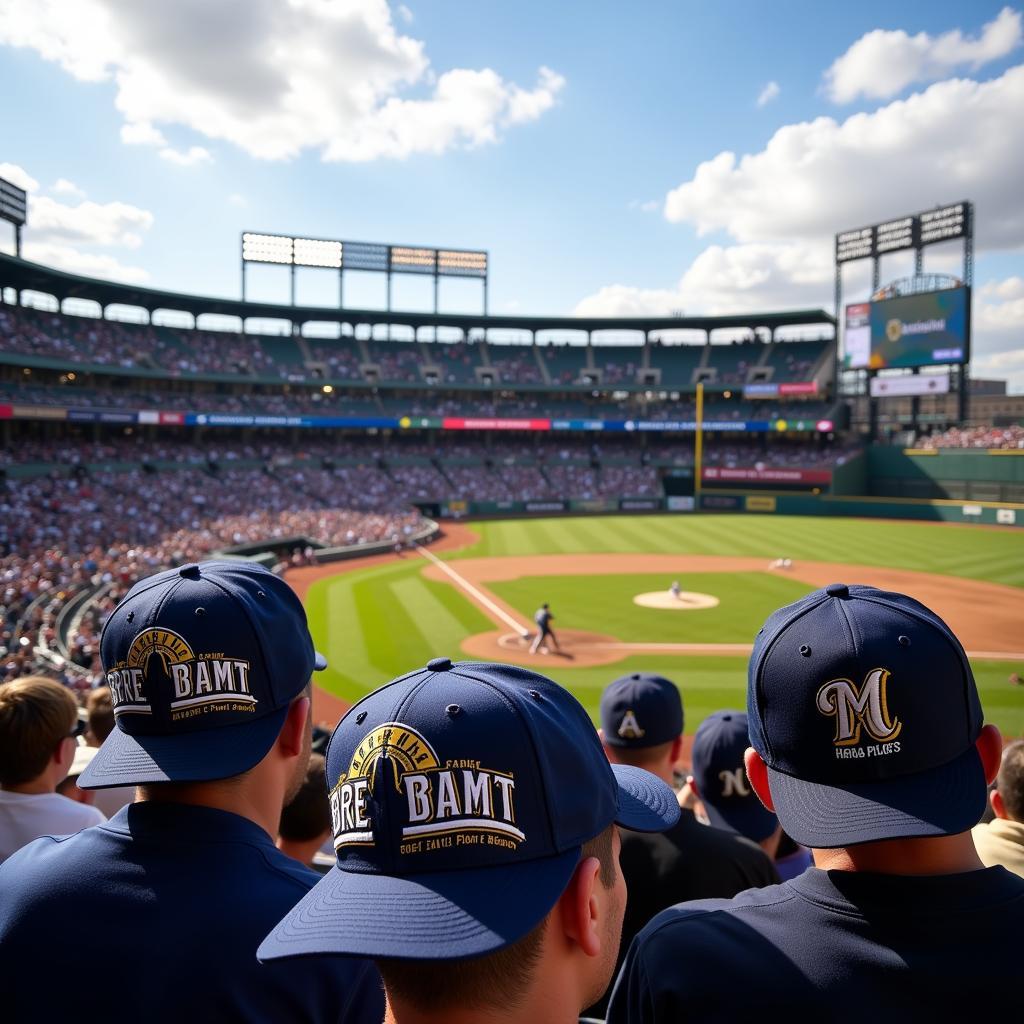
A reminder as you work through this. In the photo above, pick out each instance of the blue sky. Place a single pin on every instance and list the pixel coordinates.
(584, 145)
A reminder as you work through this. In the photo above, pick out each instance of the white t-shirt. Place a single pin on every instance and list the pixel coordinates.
(27, 816)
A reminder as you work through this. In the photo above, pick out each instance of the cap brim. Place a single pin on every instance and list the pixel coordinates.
(646, 804)
(942, 802)
(125, 760)
(752, 822)
(319, 662)
(439, 915)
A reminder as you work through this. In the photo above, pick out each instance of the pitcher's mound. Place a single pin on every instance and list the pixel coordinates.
(686, 601)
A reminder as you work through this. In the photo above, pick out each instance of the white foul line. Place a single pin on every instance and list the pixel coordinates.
(478, 594)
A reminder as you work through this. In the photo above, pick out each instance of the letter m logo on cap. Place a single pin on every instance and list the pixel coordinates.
(854, 708)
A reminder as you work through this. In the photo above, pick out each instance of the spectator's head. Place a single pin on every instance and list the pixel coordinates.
(306, 818)
(865, 723)
(720, 780)
(1008, 796)
(642, 723)
(474, 819)
(209, 670)
(39, 727)
(100, 711)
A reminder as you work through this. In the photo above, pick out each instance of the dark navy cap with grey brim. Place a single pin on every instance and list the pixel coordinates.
(461, 796)
(202, 662)
(641, 710)
(863, 705)
(716, 761)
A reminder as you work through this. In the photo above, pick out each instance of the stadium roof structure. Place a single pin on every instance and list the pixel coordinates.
(26, 276)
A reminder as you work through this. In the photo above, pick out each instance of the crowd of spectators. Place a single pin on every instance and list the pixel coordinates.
(974, 437)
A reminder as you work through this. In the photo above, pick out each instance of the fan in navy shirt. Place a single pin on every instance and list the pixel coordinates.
(867, 741)
(209, 670)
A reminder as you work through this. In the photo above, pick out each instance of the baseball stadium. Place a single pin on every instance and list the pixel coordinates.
(598, 598)
(427, 482)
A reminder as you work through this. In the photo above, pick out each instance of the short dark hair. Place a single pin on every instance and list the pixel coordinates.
(308, 815)
(100, 708)
(1010, 780)
(495, 979)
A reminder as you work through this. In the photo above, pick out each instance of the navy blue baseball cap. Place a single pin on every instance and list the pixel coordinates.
(461, 795)
(202, 663)
(641, 710)
(717, 766)
(863, 706)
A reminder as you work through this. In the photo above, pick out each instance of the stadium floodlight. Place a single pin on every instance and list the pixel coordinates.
(317, 252)
(461, 263)
(257, 248)
(413, 261)
(14, 208)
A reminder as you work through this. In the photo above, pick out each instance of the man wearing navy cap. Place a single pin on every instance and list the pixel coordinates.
(209, 668)
(719, 781)
(474, 820)
(642, 725)
(867, 741)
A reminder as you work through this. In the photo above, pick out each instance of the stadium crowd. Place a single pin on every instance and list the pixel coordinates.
(974, 437)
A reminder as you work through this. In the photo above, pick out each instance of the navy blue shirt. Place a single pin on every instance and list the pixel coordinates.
(845, 946)
(159, 912)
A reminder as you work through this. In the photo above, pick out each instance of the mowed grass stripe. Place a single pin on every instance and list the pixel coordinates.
(400, 645)
(442, 631)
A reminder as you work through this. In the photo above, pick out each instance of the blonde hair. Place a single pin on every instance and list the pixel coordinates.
(35, 715)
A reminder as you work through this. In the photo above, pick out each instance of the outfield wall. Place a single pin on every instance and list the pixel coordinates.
(960, 474)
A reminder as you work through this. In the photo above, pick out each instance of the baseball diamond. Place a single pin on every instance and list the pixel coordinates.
(404, 611)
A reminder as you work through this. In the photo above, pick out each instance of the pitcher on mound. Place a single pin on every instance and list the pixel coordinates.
(543, 618)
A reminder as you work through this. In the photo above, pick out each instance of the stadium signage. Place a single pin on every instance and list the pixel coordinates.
(910, 384)
(806, 387)
(723, 474)
(911, 232)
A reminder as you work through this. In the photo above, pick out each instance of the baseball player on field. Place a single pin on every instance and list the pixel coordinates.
(543, 618)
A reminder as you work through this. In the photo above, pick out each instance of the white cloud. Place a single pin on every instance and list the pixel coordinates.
(883, 63)
(66, 257)
(768, 93)
(998, 318)
(957, 139)
(333, 77)
(405, 14)
(645, 205)
(730, 279)
(63, 187)
(18, 177)
(186, 158)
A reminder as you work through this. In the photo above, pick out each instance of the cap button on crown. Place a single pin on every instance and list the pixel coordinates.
(439, 664)
(837, 590)
(189, 572)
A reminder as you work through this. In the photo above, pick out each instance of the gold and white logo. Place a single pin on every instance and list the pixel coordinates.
(854, 708)
(448, 804)
(202, 683)
(629, 727)
(734, 782)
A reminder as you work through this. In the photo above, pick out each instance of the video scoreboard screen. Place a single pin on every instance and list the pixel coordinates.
(927, 329)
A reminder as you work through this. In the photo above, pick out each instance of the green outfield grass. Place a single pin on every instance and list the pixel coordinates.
(376, 623)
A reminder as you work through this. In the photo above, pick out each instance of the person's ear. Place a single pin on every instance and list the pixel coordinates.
(677, 751)
(995, 798)
(694, 788)
(757, 773)
(291, 739)
(990, 749)
(580, 908)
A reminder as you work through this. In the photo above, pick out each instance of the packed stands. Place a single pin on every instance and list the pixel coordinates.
(974, 437)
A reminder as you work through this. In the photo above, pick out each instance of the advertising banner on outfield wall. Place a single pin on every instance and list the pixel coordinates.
(640, 504)
(545, 506)
(720, 502)
(760, 503)
(753, 474)
(681, 503)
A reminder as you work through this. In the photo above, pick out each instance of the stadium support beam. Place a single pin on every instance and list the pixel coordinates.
(698, 447)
